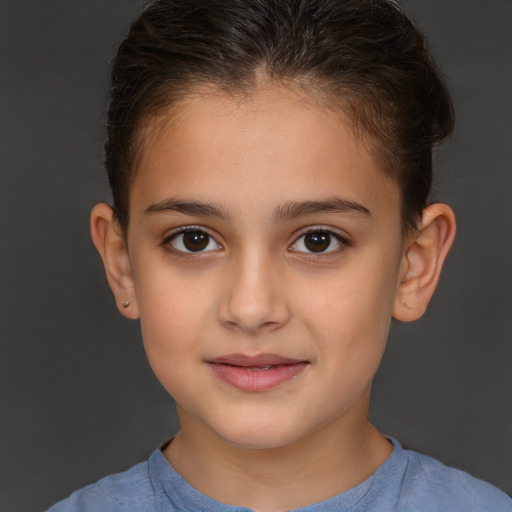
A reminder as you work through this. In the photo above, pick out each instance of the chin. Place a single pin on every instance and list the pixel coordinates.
(257, 435)
(255, 441)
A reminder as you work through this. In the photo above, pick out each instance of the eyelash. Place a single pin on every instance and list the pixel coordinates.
(340, 240)
(167, 243)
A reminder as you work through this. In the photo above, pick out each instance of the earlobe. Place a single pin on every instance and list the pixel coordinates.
(110, 243)
(422, 262)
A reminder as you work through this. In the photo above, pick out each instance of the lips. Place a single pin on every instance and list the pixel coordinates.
(256, 373)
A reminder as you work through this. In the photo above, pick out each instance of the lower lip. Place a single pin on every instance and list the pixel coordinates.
(249, 379)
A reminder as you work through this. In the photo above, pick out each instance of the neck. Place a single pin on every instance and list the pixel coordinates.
(328, 462)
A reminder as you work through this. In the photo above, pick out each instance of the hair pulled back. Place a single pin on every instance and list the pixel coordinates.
(364, 55)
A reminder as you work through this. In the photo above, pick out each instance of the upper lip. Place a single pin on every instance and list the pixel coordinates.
(259, 360)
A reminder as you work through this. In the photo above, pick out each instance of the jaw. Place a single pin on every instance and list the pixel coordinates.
(332, 460)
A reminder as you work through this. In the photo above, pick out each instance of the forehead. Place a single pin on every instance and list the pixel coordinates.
(274, 143)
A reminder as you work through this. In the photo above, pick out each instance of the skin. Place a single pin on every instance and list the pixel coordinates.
(257, 288)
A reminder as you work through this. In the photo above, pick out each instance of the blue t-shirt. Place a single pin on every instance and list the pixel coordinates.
(406, 482)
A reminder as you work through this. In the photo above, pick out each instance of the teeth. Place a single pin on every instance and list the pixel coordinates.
(260, 368)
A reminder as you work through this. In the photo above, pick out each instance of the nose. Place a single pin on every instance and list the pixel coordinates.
(254, 299)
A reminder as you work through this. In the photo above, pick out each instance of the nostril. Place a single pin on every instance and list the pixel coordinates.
(252, 320)
(251, 301)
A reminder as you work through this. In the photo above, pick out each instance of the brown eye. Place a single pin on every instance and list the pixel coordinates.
(318, 242)
(193, 240)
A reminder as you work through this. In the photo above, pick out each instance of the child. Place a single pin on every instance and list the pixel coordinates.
(270, 162)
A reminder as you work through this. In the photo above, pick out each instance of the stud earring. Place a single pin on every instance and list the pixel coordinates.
(126, 304)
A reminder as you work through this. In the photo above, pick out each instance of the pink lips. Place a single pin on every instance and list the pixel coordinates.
(257, 373)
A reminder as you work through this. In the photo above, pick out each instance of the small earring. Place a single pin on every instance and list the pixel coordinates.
(126, 304)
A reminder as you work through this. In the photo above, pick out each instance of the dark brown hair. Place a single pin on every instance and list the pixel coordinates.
(365, 56)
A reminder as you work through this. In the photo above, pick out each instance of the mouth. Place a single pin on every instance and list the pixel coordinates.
(256, 373)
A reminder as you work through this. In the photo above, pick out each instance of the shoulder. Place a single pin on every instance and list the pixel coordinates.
(426, 480)
(130, 491)
(149, 486)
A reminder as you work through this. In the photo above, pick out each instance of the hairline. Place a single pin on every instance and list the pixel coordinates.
(162, 114)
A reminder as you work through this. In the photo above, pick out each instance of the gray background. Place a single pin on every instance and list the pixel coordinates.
(78, 398)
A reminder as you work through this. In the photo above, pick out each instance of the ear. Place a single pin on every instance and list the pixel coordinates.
(110, 243)
(422, 261)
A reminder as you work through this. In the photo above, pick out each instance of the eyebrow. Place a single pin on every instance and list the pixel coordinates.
(187, 208)
(331, 205)
(286, 211)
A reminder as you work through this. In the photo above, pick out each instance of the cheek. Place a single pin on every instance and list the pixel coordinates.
(350, 314)
(354, 300)
(173, 314)
(170, 336)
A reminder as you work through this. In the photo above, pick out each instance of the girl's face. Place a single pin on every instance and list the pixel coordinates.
(265, 247)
